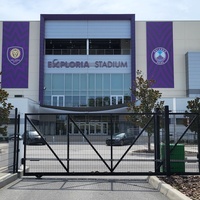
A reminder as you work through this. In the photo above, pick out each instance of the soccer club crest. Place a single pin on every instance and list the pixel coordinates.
(160, 56)
(15, 54)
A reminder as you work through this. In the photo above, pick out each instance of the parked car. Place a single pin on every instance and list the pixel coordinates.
(32, 137)
(121, 139)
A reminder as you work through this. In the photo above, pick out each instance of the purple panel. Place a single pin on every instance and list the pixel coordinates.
(15, 55)
(160, 62)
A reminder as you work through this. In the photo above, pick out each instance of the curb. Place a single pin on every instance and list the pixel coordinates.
(7, 178)
(166, 189)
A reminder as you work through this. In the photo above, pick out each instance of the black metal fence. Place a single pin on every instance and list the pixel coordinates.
(88, 144)
(9, 148)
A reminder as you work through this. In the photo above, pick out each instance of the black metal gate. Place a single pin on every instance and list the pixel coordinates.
(75, 144)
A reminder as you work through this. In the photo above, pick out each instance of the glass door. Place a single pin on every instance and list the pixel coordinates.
(57, 100)
(116, 99)
(98, 128)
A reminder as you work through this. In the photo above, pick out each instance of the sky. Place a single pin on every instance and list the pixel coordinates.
(144, 10)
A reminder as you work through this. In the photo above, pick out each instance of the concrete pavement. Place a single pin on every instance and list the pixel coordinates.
(80, 188)
(143, 188)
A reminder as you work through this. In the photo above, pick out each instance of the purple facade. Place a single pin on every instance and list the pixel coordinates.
(15, 54)
(160, 62)
(46, 17)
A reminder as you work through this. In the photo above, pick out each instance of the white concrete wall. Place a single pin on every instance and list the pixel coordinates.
(23, 106)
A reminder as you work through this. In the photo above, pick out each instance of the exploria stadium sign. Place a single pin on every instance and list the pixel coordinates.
(85, 64)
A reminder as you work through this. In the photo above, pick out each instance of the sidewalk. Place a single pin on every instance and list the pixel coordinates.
(165, 189)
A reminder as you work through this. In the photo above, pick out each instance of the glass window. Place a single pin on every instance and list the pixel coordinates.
(127, 82)
(68, 82)
(57, 92)
(91, 82)
(113, 100)
(91, 93)
(91, 101)
(106, 82)
(116, 82)
(99, 101)
(75, 101)
(47, 82)
(61, 100)
(99, 82)
(98, 128)
(106, 101)
(47, 100)
(57, 82)
(87, 89)
(105, 128)
(76, 82)
(105, 46)
(125, 46)
(54, 100)
(92, 128)
(83, 82)
(65, 46)
(83, 101)
(68, 101)
(109, 46)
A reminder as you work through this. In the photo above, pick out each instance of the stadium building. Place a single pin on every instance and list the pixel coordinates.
(87, 62)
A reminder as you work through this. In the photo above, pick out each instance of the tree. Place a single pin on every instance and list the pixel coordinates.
(145, 101)
(4, 111)
(193, 109)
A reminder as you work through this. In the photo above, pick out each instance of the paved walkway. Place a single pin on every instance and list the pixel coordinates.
(88, 188)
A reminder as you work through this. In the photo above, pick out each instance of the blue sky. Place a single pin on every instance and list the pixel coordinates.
(145, 10)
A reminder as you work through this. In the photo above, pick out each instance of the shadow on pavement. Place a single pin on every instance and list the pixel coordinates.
(84, 184)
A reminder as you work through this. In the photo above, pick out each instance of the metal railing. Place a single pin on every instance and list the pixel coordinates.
(84, 52)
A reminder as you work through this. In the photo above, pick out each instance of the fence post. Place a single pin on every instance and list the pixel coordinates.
(167, 144)
(18, 149)
(68, 142)
(157, 139)
(15, 169)
(24, 141)
(198, 140)
(111, 145)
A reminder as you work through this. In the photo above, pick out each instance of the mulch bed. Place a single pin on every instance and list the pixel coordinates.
(188, 185)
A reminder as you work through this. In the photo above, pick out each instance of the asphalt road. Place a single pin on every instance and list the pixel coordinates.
(88, 188)
(85, 160)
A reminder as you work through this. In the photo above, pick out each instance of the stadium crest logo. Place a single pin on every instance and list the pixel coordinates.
(15, 54)
(160, 56)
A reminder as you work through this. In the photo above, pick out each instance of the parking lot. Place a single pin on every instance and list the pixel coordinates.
(83, 158)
